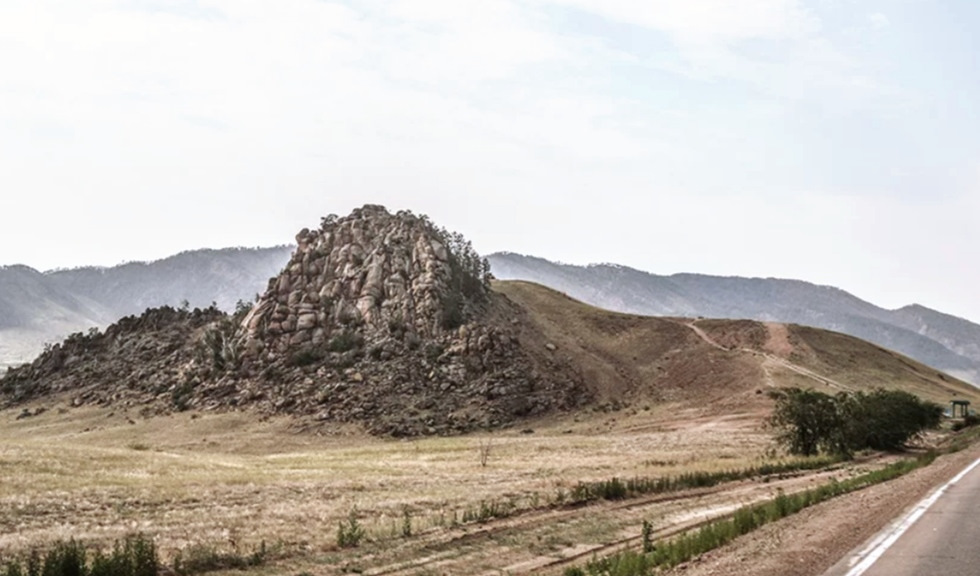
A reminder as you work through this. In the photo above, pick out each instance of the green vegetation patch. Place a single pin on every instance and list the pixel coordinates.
(134, 556)
(808, 422)
(620, 489)
(747, 519)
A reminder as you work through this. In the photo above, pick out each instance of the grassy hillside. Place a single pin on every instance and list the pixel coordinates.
(718, 364)
(945, 342)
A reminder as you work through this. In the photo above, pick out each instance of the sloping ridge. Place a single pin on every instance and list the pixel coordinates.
(945, 342)
(717, 364)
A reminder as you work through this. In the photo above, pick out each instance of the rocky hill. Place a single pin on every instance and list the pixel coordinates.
(378, 318)
(946, 342)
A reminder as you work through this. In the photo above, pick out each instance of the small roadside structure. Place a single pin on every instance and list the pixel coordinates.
(963, 405)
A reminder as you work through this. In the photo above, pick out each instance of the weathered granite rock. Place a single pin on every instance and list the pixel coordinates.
(378, 318)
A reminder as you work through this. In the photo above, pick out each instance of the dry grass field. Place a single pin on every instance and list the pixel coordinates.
(673, 396)
(231, 482)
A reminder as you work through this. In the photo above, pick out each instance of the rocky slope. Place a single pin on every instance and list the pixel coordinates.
(378, 318)
(945, 342)
(134, 362)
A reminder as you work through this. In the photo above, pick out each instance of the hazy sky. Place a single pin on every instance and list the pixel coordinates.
(834, 141)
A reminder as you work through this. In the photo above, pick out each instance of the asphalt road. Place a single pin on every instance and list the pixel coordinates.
(941, 539)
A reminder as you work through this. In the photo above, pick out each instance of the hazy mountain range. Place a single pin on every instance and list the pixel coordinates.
(38, 307)
(940, 340)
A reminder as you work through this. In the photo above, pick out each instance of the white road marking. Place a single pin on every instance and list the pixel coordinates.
(867, 557)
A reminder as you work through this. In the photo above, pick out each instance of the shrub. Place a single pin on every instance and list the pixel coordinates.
(453, 313)
(350, 532)
(201, 558)
(65, 559)
(135, 556)
(344, 342)
(647, 536)
(304, 358)
(968, 421)
(218, 347)
(807, 420)
(406, 523)
(433, 351)
(810, 421)
(181, 395)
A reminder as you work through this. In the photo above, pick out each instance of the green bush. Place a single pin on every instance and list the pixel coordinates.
(304, 358)
(617, 489)
(406, 523)
(201, 558)
(746, 519)
(134, 556)
(647, 537)
(433, 351)
(181, 395)
(808, 421)
(345, 342)
(453, 312)
(65, 559)
(968, 421)
(350, 532)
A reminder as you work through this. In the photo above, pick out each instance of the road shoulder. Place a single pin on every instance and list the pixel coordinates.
(811, 542)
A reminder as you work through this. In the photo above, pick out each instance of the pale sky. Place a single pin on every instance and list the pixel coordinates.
(833, 141)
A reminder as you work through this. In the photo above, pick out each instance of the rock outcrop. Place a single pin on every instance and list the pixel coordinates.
(378, 274)
(378, 318)
(137, 361)
(385, 318)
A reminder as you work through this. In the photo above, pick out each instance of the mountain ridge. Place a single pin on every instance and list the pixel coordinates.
(947, 342)
(39, 308)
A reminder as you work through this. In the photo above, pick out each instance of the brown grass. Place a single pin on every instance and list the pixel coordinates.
(668, 401)
(229, 479)
(633, 358)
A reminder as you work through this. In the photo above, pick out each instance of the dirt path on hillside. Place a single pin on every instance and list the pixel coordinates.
(777, 346)
(704, 335)
(778, 342)
(809, 543)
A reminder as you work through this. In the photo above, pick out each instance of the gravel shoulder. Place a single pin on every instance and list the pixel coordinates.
(809, 543)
